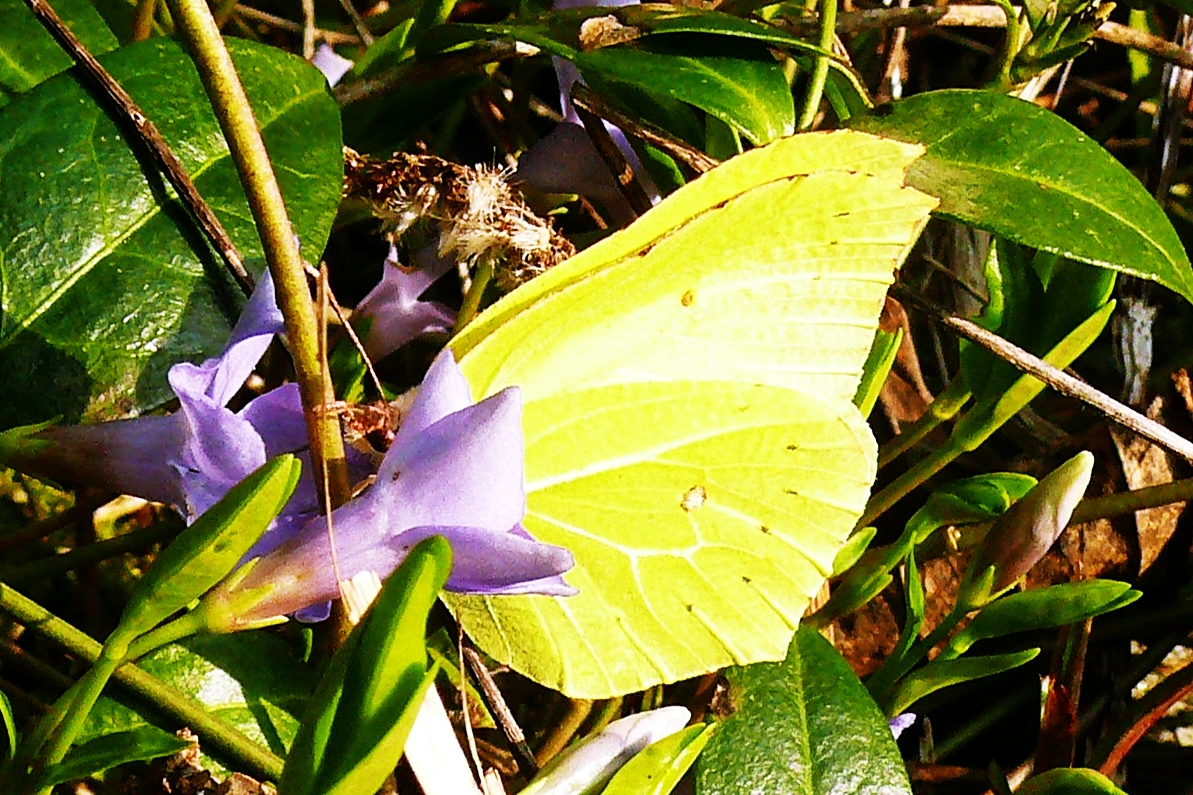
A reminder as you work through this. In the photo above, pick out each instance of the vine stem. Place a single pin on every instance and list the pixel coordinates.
(231, 106)
(213, 730)
(828, 34)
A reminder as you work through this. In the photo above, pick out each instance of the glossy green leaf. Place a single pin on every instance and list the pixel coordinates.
(940, 674)
(105, 282)
(106, 752)
(1016, 169)
(1041, 608)
(248, 679)
(10, 726)
(1069, 781)
(657, 769)
(805, 726)
(688, 417)
(29, 54)
(853, 549)
(735, 79)
(209, 549)
(356, 725)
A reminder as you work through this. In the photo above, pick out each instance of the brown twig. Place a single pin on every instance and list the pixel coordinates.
(167, 163)
(584, 97)
(623, 173)
(991, 16)
(524, 757)
(1057, 379)
(263, 17)
(413, 72)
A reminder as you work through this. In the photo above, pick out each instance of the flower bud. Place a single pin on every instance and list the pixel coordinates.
(1022, 535)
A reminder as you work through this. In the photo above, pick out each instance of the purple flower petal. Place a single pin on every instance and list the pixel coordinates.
(278, 418)
(901, 723)
(397, 314)
(331, 64)
(465, 470)
(484, 562)
(444, 391)
(126, 457)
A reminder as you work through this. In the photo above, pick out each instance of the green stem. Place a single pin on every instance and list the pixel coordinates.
(91, 554)
(186, 625)
(231, 106)
(214, 731)
(1126, 502)
(1011, 44)
(472, 301)
(559, 737)
(883, 682)
(81, 699)
(942, 409)
(828, 34)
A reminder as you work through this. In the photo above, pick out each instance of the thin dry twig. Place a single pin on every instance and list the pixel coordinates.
(585, 98)
(991, 16)
(623, 172)
(1060, 381)
(524, 757)
(332, 37)
(165, 159)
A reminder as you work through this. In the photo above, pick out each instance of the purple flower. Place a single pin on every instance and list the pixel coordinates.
(565, 161)
(394, 313)
(191, 458)
(901, 723)
(455, 469)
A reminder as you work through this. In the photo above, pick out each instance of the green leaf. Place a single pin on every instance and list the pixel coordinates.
(29, 54)
(877, 368)
(209, 549)
(356, 725)
(1069, 781)
(740, 83)
(248, 679)
(10, 727)
(703, 481)
(105, 283)
(1041, 608)
(109, 751)
(805, 726)
(1011, 167)
(657, 769)
(939, 674)
(733, 78)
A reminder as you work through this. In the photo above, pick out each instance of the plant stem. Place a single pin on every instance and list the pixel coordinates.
(235, 115)
(1011, 44)
(882, 684)
(1126, 502)
(472, 300)
(943, 408)
(214, 731)
(828, 34)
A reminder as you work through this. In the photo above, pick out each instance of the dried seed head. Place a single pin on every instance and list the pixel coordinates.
(473, 213)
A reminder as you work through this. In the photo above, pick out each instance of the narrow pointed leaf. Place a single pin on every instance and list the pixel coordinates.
(209, 549)
(939, 674)
(1014, 168)
(109, 751)
(657, 769)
